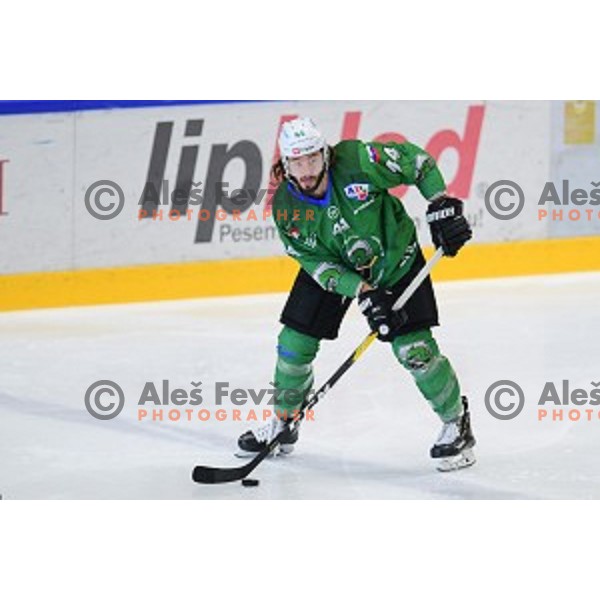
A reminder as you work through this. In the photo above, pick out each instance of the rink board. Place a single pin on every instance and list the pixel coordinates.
(54, 252)
(273, 274)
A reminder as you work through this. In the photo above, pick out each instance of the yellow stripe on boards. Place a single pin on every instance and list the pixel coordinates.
(274, 274)
(531, 257)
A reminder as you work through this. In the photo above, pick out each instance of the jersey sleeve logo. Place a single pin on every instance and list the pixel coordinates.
(372, 153)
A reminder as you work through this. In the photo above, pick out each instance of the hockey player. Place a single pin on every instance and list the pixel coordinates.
(335, 216)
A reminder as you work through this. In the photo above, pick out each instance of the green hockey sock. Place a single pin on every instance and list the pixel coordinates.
(293, 372)
(419, 353)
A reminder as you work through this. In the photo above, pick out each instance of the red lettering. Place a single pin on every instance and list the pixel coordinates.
(465, 147)
(351, 125)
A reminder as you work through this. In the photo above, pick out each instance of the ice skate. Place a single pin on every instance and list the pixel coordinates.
(453, 449)
(253, 442)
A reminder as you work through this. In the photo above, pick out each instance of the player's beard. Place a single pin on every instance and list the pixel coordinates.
(309, 184)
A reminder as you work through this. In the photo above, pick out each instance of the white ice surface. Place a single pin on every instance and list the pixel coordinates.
(371, 434)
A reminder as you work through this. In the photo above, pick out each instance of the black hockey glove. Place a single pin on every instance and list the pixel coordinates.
(450, 231)
(376, 304)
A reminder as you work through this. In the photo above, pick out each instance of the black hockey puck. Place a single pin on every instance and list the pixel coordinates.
(250, 482)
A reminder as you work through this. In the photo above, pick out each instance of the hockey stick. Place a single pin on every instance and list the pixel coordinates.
(202, 474)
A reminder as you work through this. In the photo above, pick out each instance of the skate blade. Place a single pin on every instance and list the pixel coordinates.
(283, 449)
(243, 454)
(453, 463)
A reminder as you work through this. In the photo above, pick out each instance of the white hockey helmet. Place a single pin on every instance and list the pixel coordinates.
(299, 137)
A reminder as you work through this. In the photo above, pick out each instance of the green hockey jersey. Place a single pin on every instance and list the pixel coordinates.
(358, 231)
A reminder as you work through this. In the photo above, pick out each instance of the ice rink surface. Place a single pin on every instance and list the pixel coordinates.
(371, 434)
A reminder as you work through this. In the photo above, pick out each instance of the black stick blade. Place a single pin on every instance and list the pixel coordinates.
(202, 474)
